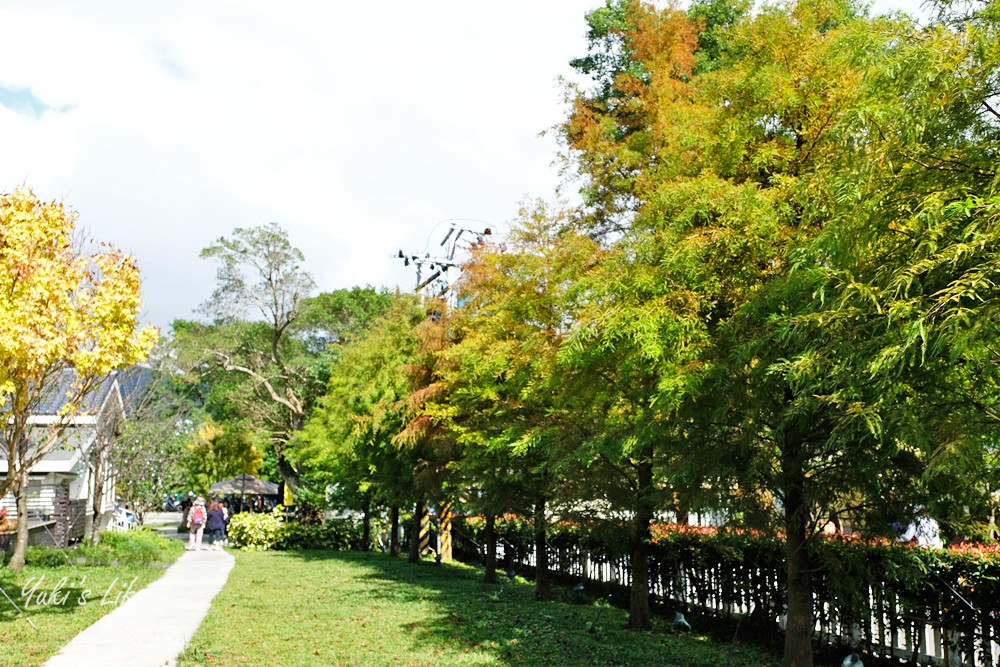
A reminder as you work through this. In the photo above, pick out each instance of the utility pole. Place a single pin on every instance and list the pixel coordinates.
(437, 275)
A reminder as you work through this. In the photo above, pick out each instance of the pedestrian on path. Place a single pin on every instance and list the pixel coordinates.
(216, 524)
(196, 524)
(227, 514)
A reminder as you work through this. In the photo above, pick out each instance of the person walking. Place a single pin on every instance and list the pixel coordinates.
(196, 524)
(216, 524)
(227, 514)
(186, 508)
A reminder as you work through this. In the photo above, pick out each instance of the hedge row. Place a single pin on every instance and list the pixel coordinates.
(135, 547)
(259, 532)
(856, 582)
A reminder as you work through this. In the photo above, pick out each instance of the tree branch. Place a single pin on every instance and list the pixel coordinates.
(991, 109)
(292, 403)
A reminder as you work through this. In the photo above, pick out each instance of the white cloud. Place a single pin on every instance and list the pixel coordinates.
(357, 126)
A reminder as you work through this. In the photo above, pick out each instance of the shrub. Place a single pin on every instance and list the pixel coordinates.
(100, 554)
(255, 532)
(854, 580)
(340, 534)
(45, 557)
(138, 547)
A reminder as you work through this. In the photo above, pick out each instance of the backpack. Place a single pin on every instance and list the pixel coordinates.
(198, 515)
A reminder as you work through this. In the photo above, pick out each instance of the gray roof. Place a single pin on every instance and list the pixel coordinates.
(133, 383)
(55, 398)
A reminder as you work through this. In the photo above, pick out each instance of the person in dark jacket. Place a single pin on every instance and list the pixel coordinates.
(216, 524)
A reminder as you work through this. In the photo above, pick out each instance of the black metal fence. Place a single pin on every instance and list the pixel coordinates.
(906, 605)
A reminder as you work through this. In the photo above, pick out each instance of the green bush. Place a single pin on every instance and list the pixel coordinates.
(340, 534)
(854, 579)
(138, 547)
(45, 557)
(255, 532)
(99, 555)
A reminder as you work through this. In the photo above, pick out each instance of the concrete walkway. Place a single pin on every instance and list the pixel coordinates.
(152, 627)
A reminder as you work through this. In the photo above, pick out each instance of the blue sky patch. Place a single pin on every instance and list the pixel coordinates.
(24, 102)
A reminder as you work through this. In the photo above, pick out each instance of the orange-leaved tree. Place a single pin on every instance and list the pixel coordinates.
(60, 308)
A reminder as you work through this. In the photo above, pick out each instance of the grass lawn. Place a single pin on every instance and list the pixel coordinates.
(55, 607)
(341, 608)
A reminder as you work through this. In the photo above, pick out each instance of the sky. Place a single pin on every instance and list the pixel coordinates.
(361, 128)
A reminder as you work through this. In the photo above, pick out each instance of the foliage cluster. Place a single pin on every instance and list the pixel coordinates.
(260, 362)
(334, 534)
(255, 531)
(263, 531)
(132, 548)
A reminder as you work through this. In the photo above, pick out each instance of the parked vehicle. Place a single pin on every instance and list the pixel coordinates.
(172, 504)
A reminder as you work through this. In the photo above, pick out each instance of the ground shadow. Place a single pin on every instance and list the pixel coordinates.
(504, 621)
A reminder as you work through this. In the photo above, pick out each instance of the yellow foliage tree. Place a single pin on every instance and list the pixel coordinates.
(217, 453)
(60, 307)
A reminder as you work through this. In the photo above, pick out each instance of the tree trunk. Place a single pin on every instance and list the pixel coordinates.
(20, 489)
(289, 475)
(639, 615)
(394, 534)
(418, 514)
(366, 528)
(97, 502)
(95, 526)
(543, 587)
(490, 536)
(799, 627)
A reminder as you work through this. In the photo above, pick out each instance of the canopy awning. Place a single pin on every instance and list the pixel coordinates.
(244, 484)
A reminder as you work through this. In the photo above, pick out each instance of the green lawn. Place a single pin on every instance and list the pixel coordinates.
(50, 597)
(336, 608)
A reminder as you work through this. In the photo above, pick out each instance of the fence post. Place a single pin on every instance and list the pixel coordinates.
(61, 510)
(425, 530)
(444, 534)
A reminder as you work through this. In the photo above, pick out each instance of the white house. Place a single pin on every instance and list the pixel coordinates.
(61, 485)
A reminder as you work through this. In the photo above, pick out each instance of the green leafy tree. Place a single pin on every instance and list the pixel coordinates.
(501, 385)
(147, 454)
(351, 438)
(721, 168)
(907, 267)
(259, 274)
(273, 341)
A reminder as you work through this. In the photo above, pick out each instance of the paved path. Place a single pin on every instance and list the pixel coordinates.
(154, 625)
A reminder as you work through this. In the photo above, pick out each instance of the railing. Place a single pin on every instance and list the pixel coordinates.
(946, 629)
(41, 502)
(61, 520)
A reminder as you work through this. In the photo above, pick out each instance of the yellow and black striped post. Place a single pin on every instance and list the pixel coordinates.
(425, 533)
(444, 537)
